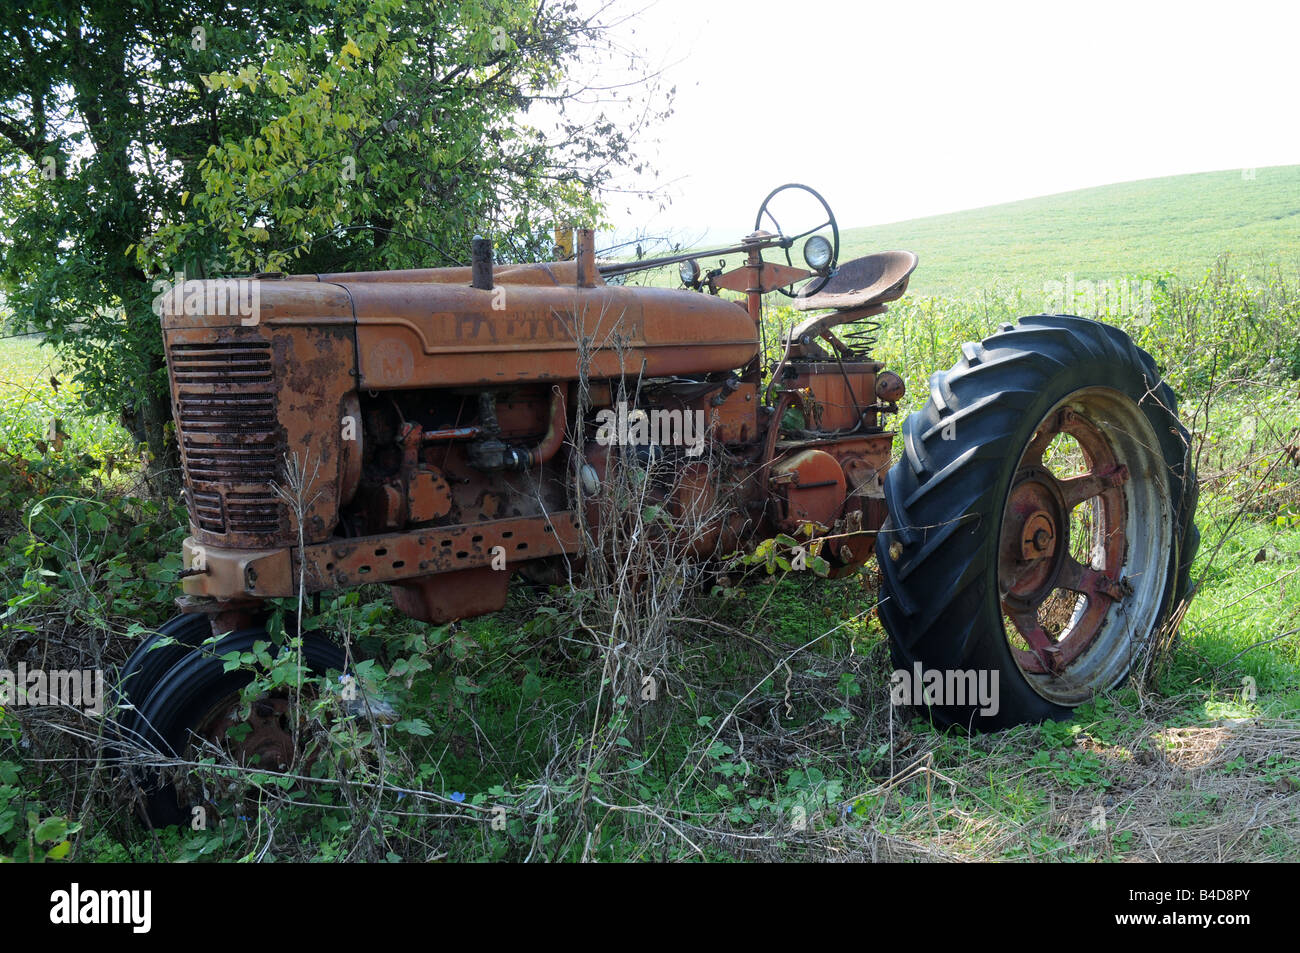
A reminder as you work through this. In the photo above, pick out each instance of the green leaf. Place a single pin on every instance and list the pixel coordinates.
(52, 829)
(415, 726)
(465, 686)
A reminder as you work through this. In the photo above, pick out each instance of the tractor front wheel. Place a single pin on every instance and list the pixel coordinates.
(1041, 524)
(196, 709)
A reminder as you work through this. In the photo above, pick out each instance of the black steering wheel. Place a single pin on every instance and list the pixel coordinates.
(824, 273)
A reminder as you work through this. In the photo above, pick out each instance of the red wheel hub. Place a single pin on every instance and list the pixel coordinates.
(272, 742)
(1034, 554)
(269, 742)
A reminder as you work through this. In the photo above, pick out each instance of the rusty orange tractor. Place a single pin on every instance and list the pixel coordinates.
(443, 430)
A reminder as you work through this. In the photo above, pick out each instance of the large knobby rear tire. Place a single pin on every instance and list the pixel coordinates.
(1014, 592)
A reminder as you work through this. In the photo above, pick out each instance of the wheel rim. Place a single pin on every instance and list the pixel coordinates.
(273, 742)
(1083, 552)
(270, 742)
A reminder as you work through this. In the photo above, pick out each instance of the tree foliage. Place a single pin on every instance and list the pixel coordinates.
(139, 139)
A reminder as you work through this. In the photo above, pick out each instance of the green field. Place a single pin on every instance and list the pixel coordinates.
(1177, 225)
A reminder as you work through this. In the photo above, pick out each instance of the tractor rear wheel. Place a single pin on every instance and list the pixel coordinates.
(1040, 525)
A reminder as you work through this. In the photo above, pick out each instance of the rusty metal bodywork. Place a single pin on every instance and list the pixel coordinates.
(437, 429)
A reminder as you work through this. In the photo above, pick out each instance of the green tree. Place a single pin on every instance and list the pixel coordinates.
(139, 139)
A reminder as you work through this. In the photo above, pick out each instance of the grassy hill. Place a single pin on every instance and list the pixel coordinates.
(1176, 224)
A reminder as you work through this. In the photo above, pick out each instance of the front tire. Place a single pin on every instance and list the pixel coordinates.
(152, 659)
(196, 701)
(1041, 524)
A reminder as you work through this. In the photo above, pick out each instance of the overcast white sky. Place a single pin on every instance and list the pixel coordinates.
(903, 109)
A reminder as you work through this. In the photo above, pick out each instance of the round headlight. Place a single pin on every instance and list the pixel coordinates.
(817, 252)
(690, 272)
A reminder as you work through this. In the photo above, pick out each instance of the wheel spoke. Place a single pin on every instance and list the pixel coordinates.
(816, 228)
(1033, 455)
(1026, 623)
(1085, 487)
(1087, 581)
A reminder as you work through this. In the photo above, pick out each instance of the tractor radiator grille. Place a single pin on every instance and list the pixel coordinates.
(231, 444)
(222, 363)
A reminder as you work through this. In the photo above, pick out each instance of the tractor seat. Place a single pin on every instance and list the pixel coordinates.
(862, 282)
